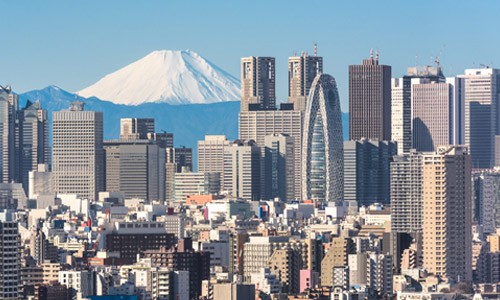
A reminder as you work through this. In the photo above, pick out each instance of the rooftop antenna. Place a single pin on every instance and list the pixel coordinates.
(416, 60)
(371, 53)
(376, 55)
(315, 49)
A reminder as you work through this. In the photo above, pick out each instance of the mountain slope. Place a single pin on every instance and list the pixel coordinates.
(174, 77)
(189, 123)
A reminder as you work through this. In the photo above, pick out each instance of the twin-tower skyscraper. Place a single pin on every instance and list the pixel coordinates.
(312, 117)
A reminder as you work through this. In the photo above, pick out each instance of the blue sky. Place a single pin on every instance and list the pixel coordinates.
(74, 43)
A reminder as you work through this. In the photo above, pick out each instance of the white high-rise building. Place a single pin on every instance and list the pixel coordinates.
(481, 93)
(78, 151)
(211, 154)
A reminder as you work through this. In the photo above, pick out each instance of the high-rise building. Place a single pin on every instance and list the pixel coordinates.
(401, 114)
(406, 193)
(40, 181)
(436, 114)
(182, 157)
(162, 139)
(136, 168)
(130, 238)
(190, 183)
(78, 151)
(481, 93)
(211, 154)
(322, 146)
(379, 273)
(136, 128)
(337, 256)
(242, 170)
(279, 167)
(34, 140)
(285, 264)
(9, 103)
(183, 258)
(486, 199)
(10, 261)
(256, 125)
(258, 83)
(301, 72)
(370, 100)
(367, 171)
(401, 103)
(446, 190)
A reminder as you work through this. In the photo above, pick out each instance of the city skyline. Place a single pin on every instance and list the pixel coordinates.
(162, 191)
(45, 53)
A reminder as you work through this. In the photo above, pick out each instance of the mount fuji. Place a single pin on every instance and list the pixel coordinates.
(166, 76)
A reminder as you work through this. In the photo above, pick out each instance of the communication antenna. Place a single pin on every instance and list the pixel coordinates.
(315, 49)
(371, 53)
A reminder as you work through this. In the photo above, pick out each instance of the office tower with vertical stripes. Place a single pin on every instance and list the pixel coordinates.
(77, 140)
(8, 115)
(258, 83)
(301, 72)
(370, 100)
(34, 140)
(482, 93)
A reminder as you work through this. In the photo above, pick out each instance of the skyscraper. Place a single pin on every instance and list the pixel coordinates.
(279, 167)
(8, 110)
(211, 154)
(258, 85)
(242, 170)
(136, 168)
(367, 171)
(256, 125)
(432, 115)
(370, 100)
(406, 193)
(34, 140)
(401, 103)
(322, 146)
(301, 72)
(447, 236)
(136, 128)
(78, 151)
(182, 157)
(482, 88)
(10, 261)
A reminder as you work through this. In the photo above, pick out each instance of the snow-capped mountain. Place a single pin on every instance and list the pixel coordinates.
(173, 77)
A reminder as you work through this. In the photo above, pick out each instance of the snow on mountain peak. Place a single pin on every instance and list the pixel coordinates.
(174, 77)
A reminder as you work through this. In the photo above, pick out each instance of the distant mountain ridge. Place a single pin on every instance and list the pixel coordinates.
(166, 76)
(189, 123)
